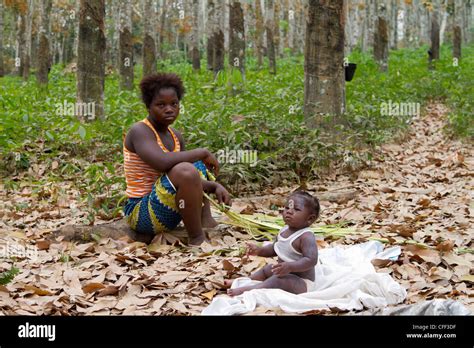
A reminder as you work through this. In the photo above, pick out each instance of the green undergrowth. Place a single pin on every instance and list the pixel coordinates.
(259, 112)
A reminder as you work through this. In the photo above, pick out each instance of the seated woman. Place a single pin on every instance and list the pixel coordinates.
(165, 183)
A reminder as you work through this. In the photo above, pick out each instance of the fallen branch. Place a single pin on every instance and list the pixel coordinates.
(115, 230)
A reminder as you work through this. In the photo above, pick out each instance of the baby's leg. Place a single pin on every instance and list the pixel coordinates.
(261, 275)
(289, 282)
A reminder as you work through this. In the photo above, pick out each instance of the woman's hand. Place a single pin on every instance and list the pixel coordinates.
(211, 162)
(281, 268)
(223, 196)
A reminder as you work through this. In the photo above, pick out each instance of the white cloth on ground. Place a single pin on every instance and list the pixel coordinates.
(345, 279)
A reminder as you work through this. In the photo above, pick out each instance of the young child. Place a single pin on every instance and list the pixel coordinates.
(165, 183)
(295, 247)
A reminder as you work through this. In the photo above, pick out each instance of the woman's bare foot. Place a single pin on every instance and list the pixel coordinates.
(197, 241)
(208, 221)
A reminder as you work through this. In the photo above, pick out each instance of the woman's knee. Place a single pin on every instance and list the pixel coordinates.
(184, 172)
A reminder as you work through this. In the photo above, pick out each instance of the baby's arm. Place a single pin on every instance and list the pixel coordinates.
(310, 254)
(265, 251)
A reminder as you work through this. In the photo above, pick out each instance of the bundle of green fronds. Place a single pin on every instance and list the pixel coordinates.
(264, 226)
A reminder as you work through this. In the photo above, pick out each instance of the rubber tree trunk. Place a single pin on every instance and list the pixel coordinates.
(381, 40)
(126, 45)
(368, 35)
(258, 33)
(2, 68)
(276, 27)
(455, 28)
(163, 34)
(19, 59)
(149, 47)
(394, 25)
(219, 43)
(324, 84)
(91, 55)
(27, 52)
(44, 58)
(236, 37)
(269, 27)
(434, 50)
(210, 34)
(195, 55)
(457, 42)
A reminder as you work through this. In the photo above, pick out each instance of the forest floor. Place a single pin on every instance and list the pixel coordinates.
(420, 187)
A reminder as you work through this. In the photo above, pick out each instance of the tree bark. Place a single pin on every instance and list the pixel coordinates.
(126, 45)
(269, 27)
(434, 55)
(149, 48)
(27, 52)
(195, 37)
(368, 36)
(407, 35)
(258, 32)
(236, 37)
(91, 55)
(163, 27)
(211, 39)
(324, 87)
(2, 68)
(394, 17)
(21, 57)
(381, 40)
(44, 54)
(455, 28)
(457, 42)
(276, 27)
(285, 30)
(219, 43)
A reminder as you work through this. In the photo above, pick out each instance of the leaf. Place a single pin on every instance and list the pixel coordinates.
(177, 306)
(424, 254)
(38, 291)
(82, 132)
(228, 266)
(452, 259)
(381, 262)
(43, 244)
(468, 278)
(174, 276)
(109, 290)
(49, 135)
(446, 245)
(95, 237)
(210, 294)
(403, 230)
(92, 287)
(159, 303)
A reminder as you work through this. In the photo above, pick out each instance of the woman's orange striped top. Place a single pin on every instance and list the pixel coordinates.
(139, 176)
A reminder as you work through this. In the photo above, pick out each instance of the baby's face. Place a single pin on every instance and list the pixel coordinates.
(296, 214)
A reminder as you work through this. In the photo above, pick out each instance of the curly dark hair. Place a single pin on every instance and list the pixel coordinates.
(151, 85)
(310, 201)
